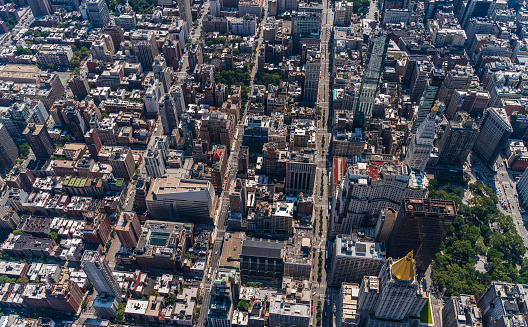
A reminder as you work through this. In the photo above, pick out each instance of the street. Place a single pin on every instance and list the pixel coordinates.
(320, 291)
(223, 200)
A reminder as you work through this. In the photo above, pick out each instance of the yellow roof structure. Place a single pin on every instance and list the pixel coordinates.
(403, 269)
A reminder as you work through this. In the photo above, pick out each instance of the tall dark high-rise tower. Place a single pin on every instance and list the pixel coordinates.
(39, 7)
(184, 6)
(420, 227)
(376, 54)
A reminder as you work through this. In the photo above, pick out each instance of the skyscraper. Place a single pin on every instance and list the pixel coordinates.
(395, 294)
(39, 7)
(145, 48)
(458, 140)
(39, 140)
(167, 111)
(376, 54)
(305, 24)
(420, 227)
(426, 105)
(122, 162)
(98, 14)
(421, 144)
(495, 129)
(184, 6)
(354, 258)
(8, 149)
(128, 229)
(312, 74)
(100, 274)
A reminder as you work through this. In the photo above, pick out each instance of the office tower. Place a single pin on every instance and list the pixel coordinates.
(217, 127)
(262, 259)
(458, 140)
(395, 294)
(39, 140)
(476, 8)
(157, 152)
(97, 12)
(503, 304)
(305, 24)
(128, 229)
(162, 72)
(287, 5)
(312, 75)
(223, 297)
(300, 173)
(75, 122)
(8, 149)
(65, 296)
(470, 101)
(347, 314)
(461, 311)
(181, 199)
(522, 187)
(167, 111)
(458, 78)
(354, 258)
(145, 48)
(376, 54)
(39, 7)
(216, 7)
(179, 100)
(93, 142)
(495, 129)
(420, 227)
(97, 228)
(100, 274)
(142, 187)
(195, 55)
(370, 187)
(79, 87)
(427, 103)
(519, 124)
(237, 196)
(421, 144)
(184, 6)
(152, 96)
(116, 33)
(256, 130)
(343, 13)
(103, 48)
(384, 225)
(419, 79)
(122, 162)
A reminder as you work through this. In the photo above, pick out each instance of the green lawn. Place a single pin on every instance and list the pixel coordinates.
(426, 315)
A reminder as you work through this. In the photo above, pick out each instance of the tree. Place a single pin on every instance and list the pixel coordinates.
(22, 280)
(23, 51)
(24, 149)
(84, 304)
(4, 279)
(187, 256)
(18, 232)
(233, 77)
(171, 299)
(53, 235)
(243, 305)
(120, 313)
(75, 62)
(153, 292)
